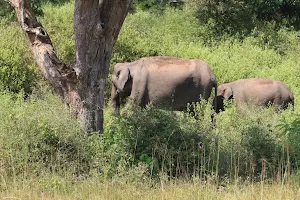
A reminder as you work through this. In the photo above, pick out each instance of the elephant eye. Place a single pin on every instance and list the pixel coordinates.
(118, 74)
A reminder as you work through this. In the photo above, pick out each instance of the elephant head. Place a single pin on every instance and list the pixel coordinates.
(223, 92)
(121, 84)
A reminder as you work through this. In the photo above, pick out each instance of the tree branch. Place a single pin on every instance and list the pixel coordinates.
(60, 76)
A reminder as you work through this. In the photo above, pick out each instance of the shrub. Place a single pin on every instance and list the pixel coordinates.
(290, 125)
(165, 141)
(17, 71)
(245, 142)
(36, 141)
(59, 23)
(152, 5)
(230, 16)
(155, 6)
(7, 11)
(252, 140)
(242, 16)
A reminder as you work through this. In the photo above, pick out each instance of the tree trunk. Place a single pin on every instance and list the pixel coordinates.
(97, 25)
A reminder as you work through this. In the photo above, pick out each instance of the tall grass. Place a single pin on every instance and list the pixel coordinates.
(253, 144)
(93, 189)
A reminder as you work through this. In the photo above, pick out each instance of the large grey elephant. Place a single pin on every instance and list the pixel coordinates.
(164, 81)
(255, 91)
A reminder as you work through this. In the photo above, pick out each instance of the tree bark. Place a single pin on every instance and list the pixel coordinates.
(97, 25)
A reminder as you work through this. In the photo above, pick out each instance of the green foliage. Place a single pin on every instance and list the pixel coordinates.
(153, 142)
(250, 137)
(152, 5)
(7, 11)
(291, 128)
(164, 141)
(38, 141)
(59, 23)
(143, 143)
(242, 16)
(17, 71)
(229, 16)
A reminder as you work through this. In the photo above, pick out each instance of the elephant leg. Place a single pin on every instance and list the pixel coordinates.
(277, 108)
(137, 97)
(278, 105)
(138, 92)
(206, 92)
(285, 105)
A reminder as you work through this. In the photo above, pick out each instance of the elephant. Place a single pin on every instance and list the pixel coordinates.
(164, 81)
(254, 91)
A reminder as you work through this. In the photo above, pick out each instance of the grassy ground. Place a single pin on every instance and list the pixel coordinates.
(172, 191)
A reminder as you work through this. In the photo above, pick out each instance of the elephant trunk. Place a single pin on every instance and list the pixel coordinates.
(115, 97)
(217, 101)
(292, 100)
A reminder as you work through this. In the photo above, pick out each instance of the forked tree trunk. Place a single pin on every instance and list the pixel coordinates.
(97, 25)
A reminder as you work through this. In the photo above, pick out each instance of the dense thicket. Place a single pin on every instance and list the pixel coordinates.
(242, 16)
(244, 143)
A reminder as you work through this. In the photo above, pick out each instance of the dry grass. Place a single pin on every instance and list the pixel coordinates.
(179, 190)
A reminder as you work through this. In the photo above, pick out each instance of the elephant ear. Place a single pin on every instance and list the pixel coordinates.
(227, 93)
(123, 77)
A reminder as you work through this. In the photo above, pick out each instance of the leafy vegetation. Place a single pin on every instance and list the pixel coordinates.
(6, 11)
(59, 189)
(17, 71)
(241, 16)
(150, 150)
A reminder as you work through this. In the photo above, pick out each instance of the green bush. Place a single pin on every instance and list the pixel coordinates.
(17, 71)
(59, 23)
(149, 5)
(243, 143)
(36, 141)
(251, 137)
(165, 141)
(291, 127)
(230, 16)
(7, 11)
(154, 6)
(242, 16)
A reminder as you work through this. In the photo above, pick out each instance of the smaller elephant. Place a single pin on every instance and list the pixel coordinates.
(254, 91)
